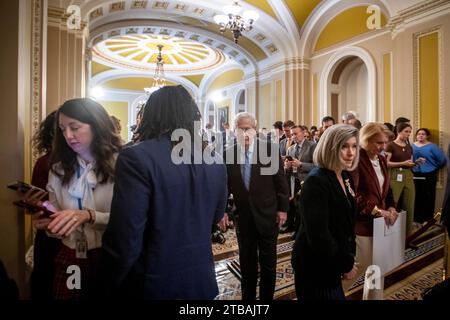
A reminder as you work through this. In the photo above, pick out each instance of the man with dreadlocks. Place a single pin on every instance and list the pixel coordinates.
(158, 241)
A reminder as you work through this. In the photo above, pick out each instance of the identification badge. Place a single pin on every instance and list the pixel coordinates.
(399, 177)
(81, 246)
(81, 249)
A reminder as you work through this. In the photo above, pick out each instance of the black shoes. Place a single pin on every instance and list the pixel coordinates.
(218, 237)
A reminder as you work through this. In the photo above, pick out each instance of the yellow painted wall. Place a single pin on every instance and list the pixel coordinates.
(195, 79)
(346, 25)
(264, 6)
(135, 83)
(264, 107)
(279, 100)
(226, 79)
(301, 9)
(97, 68)
(387, 87)
(429, 84)
(119, 109)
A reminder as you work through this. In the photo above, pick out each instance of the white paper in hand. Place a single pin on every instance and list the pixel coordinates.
(389, 243)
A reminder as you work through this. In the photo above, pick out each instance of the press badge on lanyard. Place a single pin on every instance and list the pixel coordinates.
(81, 242)
(399, 177)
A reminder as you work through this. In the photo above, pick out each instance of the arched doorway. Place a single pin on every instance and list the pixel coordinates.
(348, 89)
(348, 82)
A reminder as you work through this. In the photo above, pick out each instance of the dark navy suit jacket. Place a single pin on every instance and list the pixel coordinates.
(157, 244)
(446, 204)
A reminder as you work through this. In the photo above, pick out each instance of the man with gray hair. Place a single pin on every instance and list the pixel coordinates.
(261, 198)
(347, 116)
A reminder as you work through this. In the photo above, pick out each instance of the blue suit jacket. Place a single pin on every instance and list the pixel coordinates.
(157, 244)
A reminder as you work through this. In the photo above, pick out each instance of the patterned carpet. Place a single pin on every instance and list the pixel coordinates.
(230, 247)
(228, 271)
(412, 287)
(230, 284)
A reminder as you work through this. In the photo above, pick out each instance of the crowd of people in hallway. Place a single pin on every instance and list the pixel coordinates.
(138, 224)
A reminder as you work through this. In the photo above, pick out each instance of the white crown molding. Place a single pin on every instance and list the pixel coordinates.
(422, 12)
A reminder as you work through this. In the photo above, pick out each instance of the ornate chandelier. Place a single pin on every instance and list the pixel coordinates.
(235, 22)
(158, 78)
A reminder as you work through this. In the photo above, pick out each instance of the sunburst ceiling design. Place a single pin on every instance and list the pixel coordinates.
(140, 51)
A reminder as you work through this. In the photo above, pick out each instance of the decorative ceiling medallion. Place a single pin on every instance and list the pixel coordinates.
(160, 5)
(140, 51)
(96, 13)
(234, 53)
(139, 4)
(149, 30)
(114, 33)
(117, 6)
(271, 47)
(260, 37)
(180, 34)
(180, 7)
(131, 31)
(244, 62)
(165, 32)
(199, 11)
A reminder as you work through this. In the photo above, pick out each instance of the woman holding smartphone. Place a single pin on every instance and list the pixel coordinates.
(80, 187)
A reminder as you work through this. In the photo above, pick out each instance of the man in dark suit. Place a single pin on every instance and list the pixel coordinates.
(260, 194)
(297, 169)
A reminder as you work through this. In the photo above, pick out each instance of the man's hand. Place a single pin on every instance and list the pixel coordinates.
(224, 223)
(281, 218)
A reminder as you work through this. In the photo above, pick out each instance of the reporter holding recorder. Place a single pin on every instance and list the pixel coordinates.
(80, 190)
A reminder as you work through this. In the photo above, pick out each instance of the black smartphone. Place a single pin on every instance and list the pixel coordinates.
(289, 158)
(23, 187)
(32, 208)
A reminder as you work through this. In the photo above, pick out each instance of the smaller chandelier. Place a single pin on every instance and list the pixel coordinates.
(235, 22)
(158, 78)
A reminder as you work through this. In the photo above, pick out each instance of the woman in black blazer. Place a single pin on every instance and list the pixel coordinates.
(324, 248)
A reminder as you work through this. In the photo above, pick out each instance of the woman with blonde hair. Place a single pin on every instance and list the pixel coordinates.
(373, 195)
(324, 247)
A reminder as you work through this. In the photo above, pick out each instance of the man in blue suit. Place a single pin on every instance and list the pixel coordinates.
(157, 244)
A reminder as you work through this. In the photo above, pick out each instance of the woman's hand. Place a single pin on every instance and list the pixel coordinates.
(66, 221)
(408, 163)
(350, 275)
(390, 216)
(39, 221)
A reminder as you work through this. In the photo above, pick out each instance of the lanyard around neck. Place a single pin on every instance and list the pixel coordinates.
(80, 206)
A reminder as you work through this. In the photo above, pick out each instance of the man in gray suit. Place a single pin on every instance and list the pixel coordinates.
(302, 154)
(298, 163)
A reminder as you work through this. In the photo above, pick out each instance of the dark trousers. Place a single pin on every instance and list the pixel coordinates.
(254, 248)
(45, 251)
(425, 196)
(319, 294)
